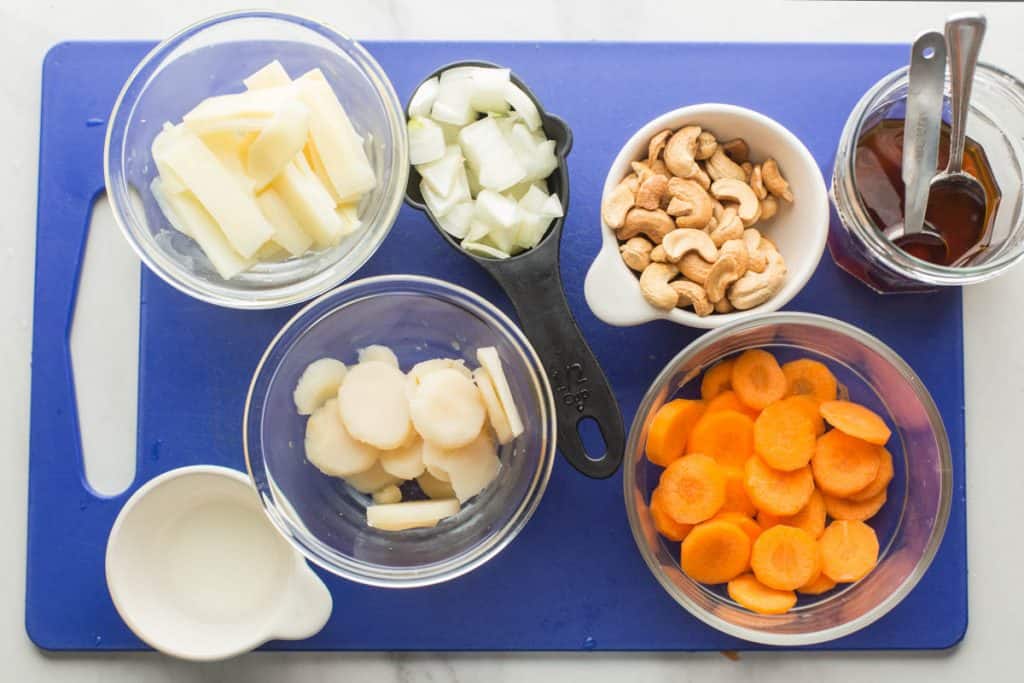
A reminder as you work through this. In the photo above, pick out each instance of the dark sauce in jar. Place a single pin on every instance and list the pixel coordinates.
(962, 222)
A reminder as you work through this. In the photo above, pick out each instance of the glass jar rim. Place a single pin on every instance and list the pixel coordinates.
(854, 214)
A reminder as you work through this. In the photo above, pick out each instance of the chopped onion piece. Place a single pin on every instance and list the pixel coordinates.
(426, 141)
(532, 228)
(552, 207)
(452, 104)
(487, 150)
(522, 103)
(533, 200)
(441, 173)
(423, 100)
(489, 89)
(456, 221)
(440, 205)
(484, 250)
(496, 210)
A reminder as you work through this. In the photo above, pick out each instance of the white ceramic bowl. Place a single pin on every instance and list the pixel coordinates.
(799, 229)
(197, 570)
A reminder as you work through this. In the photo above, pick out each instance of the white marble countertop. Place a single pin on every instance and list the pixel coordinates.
(994, 368)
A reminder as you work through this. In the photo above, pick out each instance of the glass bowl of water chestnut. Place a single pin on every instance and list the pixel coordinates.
(788, 479)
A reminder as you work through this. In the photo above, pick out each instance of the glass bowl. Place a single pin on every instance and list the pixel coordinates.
(910, 526)
(211, 58)
(419, 318)
(996, 122)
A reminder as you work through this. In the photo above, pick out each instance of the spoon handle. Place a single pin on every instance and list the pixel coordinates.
(921, 125)
(964, 33)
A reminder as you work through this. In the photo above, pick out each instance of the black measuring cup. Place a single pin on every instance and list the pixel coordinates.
(533, 282)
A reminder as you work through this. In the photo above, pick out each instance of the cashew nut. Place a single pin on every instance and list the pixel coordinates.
(618, 202)
(655, 288)
(723, 306)
(642, 170)
(719, 166)
(737, 250)
(758, 260)
(680, 151)
(636, 253)
(702, 178)
(706, 145)
(756, 182)
(692, 294)
(652, 189)
(748, 168)
(693, 267)
(700, 207)
(769, 207)
(774, 182)
(730, 227)
(655, 224)
(632, 182)
(753, 289)
(658, 166)
(685, 240)
(723, 273)
(719, 209)
(658, 254)
(712, 224)
(657, 144)
(749, 207)
(737, 149)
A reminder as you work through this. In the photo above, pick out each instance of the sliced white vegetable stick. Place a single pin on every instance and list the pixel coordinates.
(244, 111)
(374, 406)
(488, 92)
(423, 99)
(218, 191)
(470, 468)
(271, 252)
(316, 164)
(440, 174)
(349, 215)
(198, 224)
(499, 422)
(552, 207)
(405, 461)
(309, 202)
(388, 495)
(170, 182)
(446, 409)
(272, 75)
(160, 195)
(373, 479)
(490, 361)
(230, 147)
(281, 139)
(426, 141)
(486, 149)
(410, 515)
(522, 103)
(287, 231)
(434, 487)
(484, 250)
(378, 352)
(330, 447)
(495, 210)
(337, 143)
(318, 384)
(456, 222)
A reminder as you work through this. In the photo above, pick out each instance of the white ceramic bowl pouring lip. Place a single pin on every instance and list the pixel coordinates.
(198, 572)
(799, 229)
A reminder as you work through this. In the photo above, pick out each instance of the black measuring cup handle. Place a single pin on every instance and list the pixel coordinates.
(580, 387)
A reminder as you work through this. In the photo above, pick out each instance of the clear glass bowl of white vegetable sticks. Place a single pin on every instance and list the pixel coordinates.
(211, 58)
(419, 318)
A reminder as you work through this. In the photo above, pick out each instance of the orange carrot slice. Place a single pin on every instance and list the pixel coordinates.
(784, 436)
(715, 552)
(785, 558)
(844, 464)
(809, 407)
(670, 430)
(779, 493)
(726, 435)
(694, 489)
(844, 508)
(881, 481)
(736, 498)
(717, 378)
(746, 524)
(666, 526)
(748, 592)
(849, 550)
(757, 379)
(806, 377)
(856, 420)
(822, 584)
(728, 400)
(811, 518)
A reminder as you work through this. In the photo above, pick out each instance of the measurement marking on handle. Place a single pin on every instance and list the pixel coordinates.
(570, 384)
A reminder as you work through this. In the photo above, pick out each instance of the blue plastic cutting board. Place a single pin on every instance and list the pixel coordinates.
(573, 579)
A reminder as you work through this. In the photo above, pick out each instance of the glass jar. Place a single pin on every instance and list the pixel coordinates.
(996, 122)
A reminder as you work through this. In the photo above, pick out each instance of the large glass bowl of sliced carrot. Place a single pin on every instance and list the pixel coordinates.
(788, 479)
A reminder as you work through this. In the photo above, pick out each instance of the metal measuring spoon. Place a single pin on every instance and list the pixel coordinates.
(921, 127)
(533, 282)
(964, 33)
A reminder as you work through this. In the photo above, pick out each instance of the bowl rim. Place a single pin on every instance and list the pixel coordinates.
(818, 200)
(485, 550)
(286, 295)
(945, 495)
